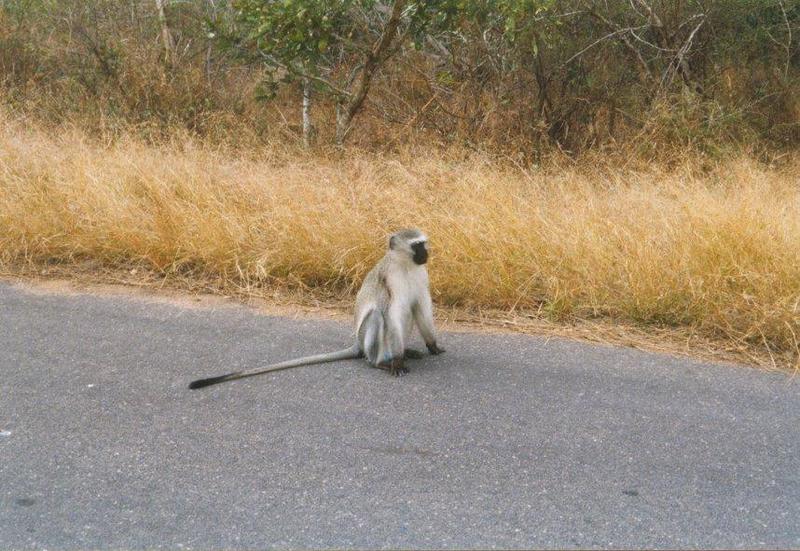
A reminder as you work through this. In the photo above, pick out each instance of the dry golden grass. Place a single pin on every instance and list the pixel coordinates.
(713, 254)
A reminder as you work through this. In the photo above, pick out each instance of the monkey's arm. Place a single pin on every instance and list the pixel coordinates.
(346, 354)
(423, 317)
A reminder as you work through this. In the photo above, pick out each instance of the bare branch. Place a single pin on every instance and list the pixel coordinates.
(302, 73)
(598, 41)
(788, 45)
(679, 61)
(625, 40)
(650, 44)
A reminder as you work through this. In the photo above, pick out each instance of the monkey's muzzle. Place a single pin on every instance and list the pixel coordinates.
(420, 253)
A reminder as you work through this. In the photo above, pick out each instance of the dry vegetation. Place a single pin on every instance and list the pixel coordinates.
(709, 248)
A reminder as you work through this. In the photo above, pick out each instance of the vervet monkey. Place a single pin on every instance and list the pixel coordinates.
(393, 298)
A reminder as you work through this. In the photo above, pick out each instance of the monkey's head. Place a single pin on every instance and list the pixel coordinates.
(414, 243)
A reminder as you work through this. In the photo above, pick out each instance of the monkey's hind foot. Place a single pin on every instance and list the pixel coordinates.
(397, 368)
(411, 354)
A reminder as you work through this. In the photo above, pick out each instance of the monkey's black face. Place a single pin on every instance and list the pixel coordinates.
(420, 253)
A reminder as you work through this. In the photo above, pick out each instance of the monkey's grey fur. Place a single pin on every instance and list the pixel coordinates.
(394, 297)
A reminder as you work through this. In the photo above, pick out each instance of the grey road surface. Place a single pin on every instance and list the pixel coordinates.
(503, 442)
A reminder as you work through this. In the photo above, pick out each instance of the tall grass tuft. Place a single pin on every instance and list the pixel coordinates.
(716, 251)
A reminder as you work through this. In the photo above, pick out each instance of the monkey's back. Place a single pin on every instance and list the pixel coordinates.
(374, 292)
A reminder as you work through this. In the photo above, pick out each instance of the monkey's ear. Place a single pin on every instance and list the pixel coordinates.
(393, 242)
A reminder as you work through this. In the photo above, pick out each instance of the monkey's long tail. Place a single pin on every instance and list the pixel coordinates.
(346, 354)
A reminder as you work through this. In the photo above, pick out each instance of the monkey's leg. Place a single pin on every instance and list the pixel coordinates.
(394, 339)
(371, 336)
(411, 354)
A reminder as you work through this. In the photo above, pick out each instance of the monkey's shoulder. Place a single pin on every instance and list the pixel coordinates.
(377, 275)
(374, 288)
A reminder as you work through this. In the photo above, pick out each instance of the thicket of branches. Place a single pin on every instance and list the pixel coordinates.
(523, 75)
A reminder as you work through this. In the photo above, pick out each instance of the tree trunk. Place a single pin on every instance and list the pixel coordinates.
(346, 110)
(342, 123)
(166, 35)
(308, 127)
(210, 48)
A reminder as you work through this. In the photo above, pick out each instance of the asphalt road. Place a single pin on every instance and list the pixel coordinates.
(504, 441)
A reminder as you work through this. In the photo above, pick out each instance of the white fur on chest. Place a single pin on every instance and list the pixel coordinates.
(409, 287)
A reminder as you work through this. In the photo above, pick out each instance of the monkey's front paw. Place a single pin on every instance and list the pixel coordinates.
(434, 349)
(397, 369)
(411, 354)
